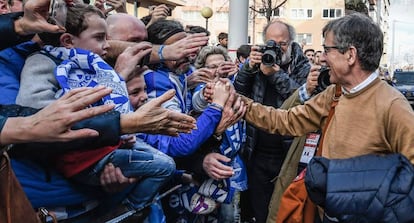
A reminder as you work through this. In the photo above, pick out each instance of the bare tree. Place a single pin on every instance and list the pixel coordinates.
(356, 6)
(267, 7)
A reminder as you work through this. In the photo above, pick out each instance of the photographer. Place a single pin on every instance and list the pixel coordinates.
(269, 84)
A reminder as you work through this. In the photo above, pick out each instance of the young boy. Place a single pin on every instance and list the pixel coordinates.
(80, 50)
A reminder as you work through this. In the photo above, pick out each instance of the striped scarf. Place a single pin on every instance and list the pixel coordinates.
(82, 68)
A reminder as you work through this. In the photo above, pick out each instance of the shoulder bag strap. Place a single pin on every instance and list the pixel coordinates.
(5, 166)
(335, 100)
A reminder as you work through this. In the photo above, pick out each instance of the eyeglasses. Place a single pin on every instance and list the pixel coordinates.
(283, 43)
(326, 49)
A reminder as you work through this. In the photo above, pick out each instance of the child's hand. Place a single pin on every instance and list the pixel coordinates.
(221, 91)
(127, 141)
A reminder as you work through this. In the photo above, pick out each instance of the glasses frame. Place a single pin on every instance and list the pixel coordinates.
(327, 49)
(283, 43)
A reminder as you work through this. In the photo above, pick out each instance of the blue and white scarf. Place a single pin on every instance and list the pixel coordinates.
(223, 190)
(82, 68)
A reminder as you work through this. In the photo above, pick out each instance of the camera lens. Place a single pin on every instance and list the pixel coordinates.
(323, 79)
(269, 58)
(272, 53)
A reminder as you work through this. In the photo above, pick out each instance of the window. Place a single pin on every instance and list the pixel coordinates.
(301, 13)
(304, 38)
(331, 13)
(278, 12)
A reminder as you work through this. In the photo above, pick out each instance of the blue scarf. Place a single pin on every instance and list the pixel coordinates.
(223, 190)
(82, 68)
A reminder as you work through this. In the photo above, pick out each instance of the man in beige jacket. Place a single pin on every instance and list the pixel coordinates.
(371, 116)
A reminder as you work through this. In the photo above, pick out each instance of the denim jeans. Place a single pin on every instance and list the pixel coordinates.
(230, 213)
(154, 167)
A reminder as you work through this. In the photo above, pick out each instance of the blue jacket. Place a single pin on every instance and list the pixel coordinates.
(48, 188)
(160, 81)
(11, 63)
(369, 188)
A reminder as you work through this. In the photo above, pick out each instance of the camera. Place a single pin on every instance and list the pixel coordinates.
(145, 60)
(57, 12)
(169, 11)
(272, 53)
(323, 79)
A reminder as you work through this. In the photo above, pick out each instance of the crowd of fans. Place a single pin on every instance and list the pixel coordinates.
(110, 111)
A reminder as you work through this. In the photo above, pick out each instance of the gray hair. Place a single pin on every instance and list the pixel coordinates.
(363, 33)
(207, 51)
(290, 28)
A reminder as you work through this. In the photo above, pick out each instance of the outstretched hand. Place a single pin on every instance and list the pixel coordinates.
(127, 61)
(184, 47)
(153, 119)
(54, 122)
(34, 19)
(233, 111)
(199, 76)
(159, 12)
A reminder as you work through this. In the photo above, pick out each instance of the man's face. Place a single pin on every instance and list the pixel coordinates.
(310, 56)
(137, 91)
(280, 34)
(177, 66)
(94, 37)
(337, 61)
(319, 59)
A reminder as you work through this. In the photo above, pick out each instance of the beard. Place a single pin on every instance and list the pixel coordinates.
(287, 56)
(182, 68)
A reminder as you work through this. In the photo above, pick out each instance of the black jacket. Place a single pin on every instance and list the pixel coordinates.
(9, 37)
(106, 124)
(252, 83)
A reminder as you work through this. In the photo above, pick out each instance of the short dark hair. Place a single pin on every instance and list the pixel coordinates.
(360, 31)
(243, 51)
(75, 23)
(307, 50)
(161, 30)
(222, 35)
(197, 29)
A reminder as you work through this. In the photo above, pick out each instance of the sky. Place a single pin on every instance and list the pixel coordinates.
(402, 16)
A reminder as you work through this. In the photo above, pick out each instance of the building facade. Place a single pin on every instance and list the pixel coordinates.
(307, 16)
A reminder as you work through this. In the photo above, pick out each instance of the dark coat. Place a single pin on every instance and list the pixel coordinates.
(369, 188)
(252, 83)
(9, 37)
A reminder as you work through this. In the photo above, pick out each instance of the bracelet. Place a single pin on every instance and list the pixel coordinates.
(160, 53)
(217, 106)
